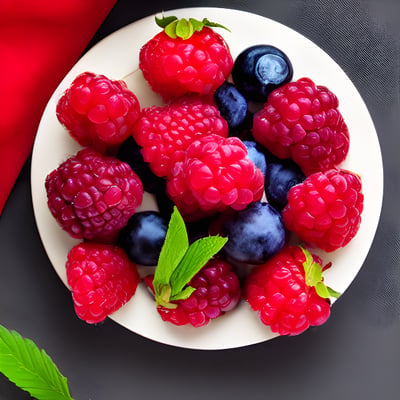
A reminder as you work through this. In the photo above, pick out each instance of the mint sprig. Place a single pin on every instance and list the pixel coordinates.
(179, 262)
(313, 276)
(30, 368)
(184, 28)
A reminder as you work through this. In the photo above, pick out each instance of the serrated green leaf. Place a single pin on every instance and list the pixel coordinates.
(174, 248)
(30, 368)
(184, 29)
(194, 259)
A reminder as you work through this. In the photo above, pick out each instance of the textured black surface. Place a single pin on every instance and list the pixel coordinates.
(355, 355)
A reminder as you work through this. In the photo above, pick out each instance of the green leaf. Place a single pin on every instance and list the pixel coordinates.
(333, 293)
(30, 368)
(164, 21)
(184, 294)
(174, 248)
(322, 290)
(197, 25)
(314, 277)
(194, 259)
(312, 270)
(210, 24)
(170, 29)
(184, 29)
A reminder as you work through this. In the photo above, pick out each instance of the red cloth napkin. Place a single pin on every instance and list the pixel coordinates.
(39, 42)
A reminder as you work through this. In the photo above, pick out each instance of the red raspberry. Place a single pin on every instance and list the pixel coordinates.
(216, 174)
(92, 196)
(325, 209)
(98, 111)
(176, 66)
(165, 132)
(279, 292)
(301, 121)
(217, 292)
(102, 279)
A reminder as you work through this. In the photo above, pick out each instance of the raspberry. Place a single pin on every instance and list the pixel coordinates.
(92, 196)
(176, 66)
(301, 121)
(325, 209)
(165, 132)
(217, 292)
(279, 292)
(215, 175)
(102, 279)
(98, 111)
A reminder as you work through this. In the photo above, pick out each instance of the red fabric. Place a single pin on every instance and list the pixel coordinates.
(39, 42)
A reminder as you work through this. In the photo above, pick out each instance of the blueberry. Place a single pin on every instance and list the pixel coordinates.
(260, 69)
(280, 177)
(256, 154)
(254, 234)
(130, 152)
(143, 237)
(232, 106)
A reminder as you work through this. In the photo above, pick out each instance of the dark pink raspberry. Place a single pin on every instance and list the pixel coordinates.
(92, 196)
(215, 175)
(280, 294)
(217, 292)
(165, 132)
(102, 279)
(325, 209)
(302, 121)
(97, 111)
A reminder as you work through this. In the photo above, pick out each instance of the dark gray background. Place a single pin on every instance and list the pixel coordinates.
(355, 355)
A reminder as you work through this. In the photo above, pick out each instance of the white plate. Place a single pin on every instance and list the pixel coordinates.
(117, 57)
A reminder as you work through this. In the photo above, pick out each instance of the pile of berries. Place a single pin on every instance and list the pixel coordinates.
(258, 178)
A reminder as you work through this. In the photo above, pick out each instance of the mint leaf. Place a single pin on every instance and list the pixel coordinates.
(174, 248)
(194, 259)
(178, 262)
(30, 368)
